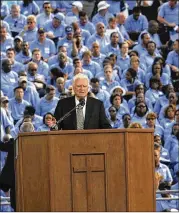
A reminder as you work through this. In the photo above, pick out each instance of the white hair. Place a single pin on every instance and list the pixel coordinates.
(27, 127)
(80, 76)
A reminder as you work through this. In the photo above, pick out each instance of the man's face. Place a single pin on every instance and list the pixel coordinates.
(172, 3)
(125, 48)
(177, 116)
(3, 32)
(157, 139)
(136, 15)
(176, 46)
(100, 29)
(108, 72)
(56, 23)
(146, 39)
(140, 89)
(83, 20)
(10, 54)
(127, 120)
(153, 28)
(112, 111)
(5, 104)
(6, 66)
(18, 43)
(86, 59)
(121, 19)
(115, 38)
(60, 84)
(151, 48)
(69, 36)
(15, 11)
(51, 94)
(23, 84)
(19, 94)
(63, 50)
(32, 70)
(47, 9)
(25, 46)
(31, 24)
(95, 48)
(95, 87)
(176, 129)
(172, 98)
(140, 98)
(156, 157)
(41, 35)
(141, 109)
(37, 55)
(77, 63)
(150, 121)
(62, 57)
(80, 88)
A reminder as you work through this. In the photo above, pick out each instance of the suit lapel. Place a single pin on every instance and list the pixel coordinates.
(88, 113)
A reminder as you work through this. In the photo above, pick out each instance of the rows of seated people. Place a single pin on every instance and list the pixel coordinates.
(132, 66)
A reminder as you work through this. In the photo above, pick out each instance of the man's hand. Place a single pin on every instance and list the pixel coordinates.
(171, 24)
(174, 68)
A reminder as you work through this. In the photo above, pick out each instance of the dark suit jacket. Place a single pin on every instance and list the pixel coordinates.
(95, 117)
(7, 176)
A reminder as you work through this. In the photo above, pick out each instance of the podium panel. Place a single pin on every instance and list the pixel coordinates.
(89, 170)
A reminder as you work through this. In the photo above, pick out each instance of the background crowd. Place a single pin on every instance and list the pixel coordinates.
(128, 49)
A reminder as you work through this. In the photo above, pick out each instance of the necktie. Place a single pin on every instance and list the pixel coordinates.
(80, 118)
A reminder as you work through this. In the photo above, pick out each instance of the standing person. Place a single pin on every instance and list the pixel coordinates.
(7, 177)
(91, 116)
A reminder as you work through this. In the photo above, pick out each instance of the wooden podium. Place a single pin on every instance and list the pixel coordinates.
(89, 170)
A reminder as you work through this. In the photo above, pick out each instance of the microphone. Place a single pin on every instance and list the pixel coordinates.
(81, 104)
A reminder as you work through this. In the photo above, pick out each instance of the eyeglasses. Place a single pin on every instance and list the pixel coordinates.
(112, 110)
(150, 119)
(141, 106)
(30, 22)
(33, 69)
(15, 23)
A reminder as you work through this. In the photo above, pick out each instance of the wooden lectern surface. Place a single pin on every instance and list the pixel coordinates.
(89, 170)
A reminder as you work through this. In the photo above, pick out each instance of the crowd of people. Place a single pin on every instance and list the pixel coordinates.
(129, 54)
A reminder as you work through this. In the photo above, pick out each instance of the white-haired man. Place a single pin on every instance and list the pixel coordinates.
(90, 116)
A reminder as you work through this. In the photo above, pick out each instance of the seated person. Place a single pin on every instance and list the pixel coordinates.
(48, 122)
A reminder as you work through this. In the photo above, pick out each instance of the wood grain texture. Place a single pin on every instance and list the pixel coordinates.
(89, 170)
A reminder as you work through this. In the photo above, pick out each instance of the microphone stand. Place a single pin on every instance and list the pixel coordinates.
(55, 127)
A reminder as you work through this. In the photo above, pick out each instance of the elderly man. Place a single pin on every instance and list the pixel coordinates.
(88, 115)
(103, 15)
(99, 36)
(29, 32)
(15, 20)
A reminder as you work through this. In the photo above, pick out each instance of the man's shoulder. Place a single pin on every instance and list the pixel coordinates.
(67, 100)
(94, 101)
